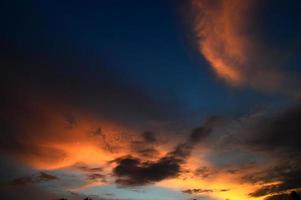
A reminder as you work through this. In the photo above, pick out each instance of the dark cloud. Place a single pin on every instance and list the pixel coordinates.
(92, 173)
(99, 133)
(149, 137)
(144, 150)
(285, 196)
(279, 136)
(132, 171)
(96, 177)
(146, 146)
(201, 191)
(288, 174)
(41, 177)
(280, 132)
(265, 191)
(278, 197)
(266, 143)
(197, 191)
(46, 177)
(89, 169)
(205, 172)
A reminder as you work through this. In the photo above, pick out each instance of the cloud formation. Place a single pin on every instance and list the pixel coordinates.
(200, 191)
(132, 171)
(270, 145)
(229, 41)
(41, 177)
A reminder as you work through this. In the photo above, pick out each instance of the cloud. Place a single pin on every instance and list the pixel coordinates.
(280, 132)
(205, 172)
(51, 142)
(41, 177)
(270, 144)
(202, 191)
(286, 175)
(145, 146)
(293, 195)
(93, 174)
(46, 177)
(230, 42)
(197, 191)
(278, 197)
(87, 169)
(52, 102)
(96, 177)
(132, 171)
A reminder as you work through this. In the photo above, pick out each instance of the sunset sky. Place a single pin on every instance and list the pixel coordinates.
(150, 99)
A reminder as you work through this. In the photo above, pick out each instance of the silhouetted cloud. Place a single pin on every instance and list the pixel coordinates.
(132, 171)
(288, 175)
(97, 176)
(202, 191)
(46, 177)
(277, 136)
(145, 147)
(280, 132)
(89, 169)
(204, 172)
(41, 177)
(197, 191)
(278, 197)
(284, 196)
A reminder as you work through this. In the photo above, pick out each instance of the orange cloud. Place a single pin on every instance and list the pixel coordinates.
(49, 135)
(220, 29)
(227, 39)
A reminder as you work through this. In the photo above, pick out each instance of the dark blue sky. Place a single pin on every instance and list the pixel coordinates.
(145, 45)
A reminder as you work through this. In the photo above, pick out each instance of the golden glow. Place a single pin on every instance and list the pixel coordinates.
(54, 142)
(94, 141)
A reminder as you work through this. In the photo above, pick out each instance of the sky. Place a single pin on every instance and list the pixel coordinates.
(143, 100)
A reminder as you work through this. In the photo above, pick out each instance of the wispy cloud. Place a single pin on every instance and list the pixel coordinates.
(227, 39)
